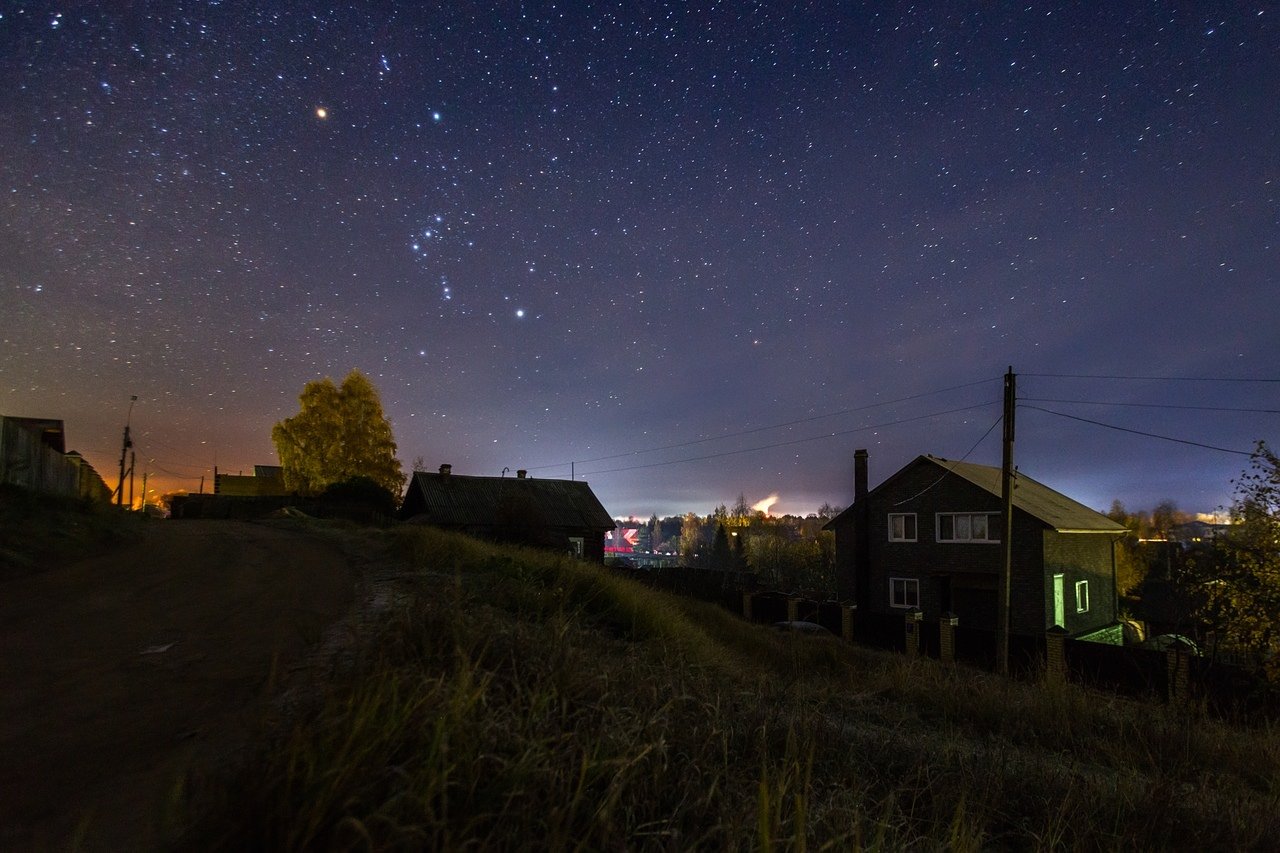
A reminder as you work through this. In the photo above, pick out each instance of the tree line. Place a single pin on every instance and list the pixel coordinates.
(787, 552)
(1223, 587)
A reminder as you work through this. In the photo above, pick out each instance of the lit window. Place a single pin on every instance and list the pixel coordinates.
(904, 592)
(1082, 596)
(966, 527)
(902, 527)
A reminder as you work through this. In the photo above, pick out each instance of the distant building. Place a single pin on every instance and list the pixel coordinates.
(33, 455)
(563, 515)
(929, 537)
(266, 481)
(1197, 532)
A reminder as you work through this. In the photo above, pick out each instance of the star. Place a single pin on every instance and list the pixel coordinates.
(322, 112)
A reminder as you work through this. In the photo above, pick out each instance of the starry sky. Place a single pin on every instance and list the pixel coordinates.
(683, 251)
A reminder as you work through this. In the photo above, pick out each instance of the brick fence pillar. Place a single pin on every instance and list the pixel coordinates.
(846, 621)
(1055, 669)
(913, 621)
(947, 637)
(793, 609)
(1178, 662)
(746, 605)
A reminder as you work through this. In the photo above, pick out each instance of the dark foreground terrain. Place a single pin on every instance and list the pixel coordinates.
(120, 671)
(481, 697)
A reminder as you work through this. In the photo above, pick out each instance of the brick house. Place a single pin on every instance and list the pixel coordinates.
(929, 537)
(563, 515)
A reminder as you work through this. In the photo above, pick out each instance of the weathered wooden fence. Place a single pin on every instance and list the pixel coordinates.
(26, 461)
(1176, 675)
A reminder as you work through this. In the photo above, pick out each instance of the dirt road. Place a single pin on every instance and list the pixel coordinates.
(119, 672)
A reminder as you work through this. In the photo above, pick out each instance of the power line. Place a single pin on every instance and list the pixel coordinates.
(954, 463)
(1149, 378)
(1156, 406)
(786, 443)
(763, 428)
(1140, 432)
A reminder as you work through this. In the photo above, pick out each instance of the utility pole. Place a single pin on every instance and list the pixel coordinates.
(144, 491)
(133, 459)
(1006, 539)
(124, 450)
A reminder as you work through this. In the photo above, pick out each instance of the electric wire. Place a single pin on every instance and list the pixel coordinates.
(1149, 378)
(1138, 431)
(1155, 406)
(953, 464)
(754, 430)
(787, 443)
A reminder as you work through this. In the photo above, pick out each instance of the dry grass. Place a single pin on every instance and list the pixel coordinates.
(39, 530)
(527, 701)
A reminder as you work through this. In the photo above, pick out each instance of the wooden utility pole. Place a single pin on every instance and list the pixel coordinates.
(1006, 539)
(124, 451)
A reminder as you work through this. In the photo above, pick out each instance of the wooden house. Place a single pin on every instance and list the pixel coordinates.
(929, 537)
(563, 515)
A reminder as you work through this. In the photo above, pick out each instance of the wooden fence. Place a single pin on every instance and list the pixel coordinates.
(1176, 675)
(26, 461)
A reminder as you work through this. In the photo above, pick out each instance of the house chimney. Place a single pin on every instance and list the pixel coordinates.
(861, 566)
(446, 469)
(859, 474)
(520, 475)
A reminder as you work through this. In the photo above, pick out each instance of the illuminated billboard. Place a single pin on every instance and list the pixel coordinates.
(621, 541)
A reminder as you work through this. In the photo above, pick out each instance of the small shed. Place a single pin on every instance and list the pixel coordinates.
(563, 515)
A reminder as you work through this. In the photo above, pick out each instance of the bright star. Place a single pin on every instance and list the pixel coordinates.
(322, 112)
(519, 312)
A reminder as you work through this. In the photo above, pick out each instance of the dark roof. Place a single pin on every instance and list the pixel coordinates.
(459, 500)
(50, 430)
(1036, 499)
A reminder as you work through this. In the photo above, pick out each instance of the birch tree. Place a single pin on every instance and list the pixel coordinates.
(339, 433)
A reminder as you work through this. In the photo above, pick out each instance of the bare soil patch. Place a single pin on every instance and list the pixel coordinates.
(120, 673)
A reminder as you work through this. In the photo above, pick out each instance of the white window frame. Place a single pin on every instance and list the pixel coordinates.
(915, 527)
(968, 522)
(1082, 596)
(907, 584)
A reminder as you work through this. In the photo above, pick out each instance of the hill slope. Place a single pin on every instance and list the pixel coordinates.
(515, 699)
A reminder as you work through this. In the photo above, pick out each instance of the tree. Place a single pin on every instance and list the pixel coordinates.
(340, 433)
(692, 539)
(1241, 586)
(721, 555)
(1165, 517)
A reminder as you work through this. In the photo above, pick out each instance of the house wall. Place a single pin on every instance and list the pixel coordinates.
(1081, 557)
(845, 537)
(965, 573)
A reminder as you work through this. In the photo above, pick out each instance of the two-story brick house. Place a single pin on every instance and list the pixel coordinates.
(930, 537)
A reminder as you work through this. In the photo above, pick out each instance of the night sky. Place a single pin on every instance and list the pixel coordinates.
(728, 237)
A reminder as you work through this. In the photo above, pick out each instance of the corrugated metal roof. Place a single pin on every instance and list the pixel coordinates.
(456, 499)
(1053, 508)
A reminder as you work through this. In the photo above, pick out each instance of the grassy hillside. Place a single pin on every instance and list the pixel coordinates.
(40, 531)
(519, 700)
